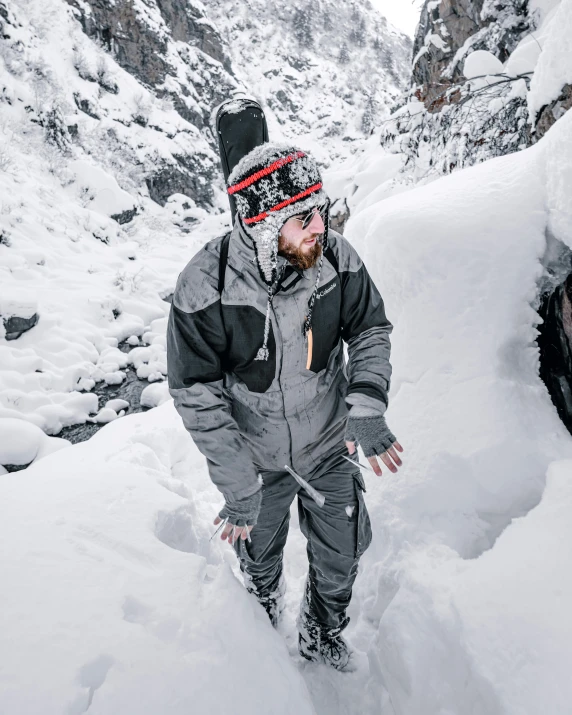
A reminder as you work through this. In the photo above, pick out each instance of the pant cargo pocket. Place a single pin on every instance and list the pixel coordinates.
(363, 521)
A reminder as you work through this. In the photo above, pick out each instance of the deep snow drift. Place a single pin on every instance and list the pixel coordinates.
(116, 599)
(113, 598)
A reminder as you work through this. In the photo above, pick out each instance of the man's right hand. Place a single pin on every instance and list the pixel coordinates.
(232, 532)
(241, 516)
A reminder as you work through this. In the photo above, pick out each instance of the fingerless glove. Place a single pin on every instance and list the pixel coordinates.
(243, 512)
(372, 433)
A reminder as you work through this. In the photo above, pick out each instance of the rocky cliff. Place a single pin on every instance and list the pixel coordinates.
(327, 72)
(480, 71)
(449, 30)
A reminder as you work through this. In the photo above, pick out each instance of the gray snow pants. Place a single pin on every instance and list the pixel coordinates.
(337, 533)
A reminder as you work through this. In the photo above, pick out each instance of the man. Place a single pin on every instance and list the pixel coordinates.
(257, 373)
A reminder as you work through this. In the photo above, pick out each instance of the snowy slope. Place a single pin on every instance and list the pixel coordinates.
(113, 598)
(328, 71)
(66, 179)
(84, 147)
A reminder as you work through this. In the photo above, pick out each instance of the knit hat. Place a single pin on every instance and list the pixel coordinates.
(270, 184)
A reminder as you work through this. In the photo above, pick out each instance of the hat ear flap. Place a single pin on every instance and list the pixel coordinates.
(326, 226)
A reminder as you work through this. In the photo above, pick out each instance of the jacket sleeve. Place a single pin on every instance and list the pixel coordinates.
(366, 329)
(196, 343)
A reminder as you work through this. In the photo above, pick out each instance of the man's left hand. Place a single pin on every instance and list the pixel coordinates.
(376, 440)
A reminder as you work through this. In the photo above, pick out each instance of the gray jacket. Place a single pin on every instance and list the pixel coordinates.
(246, 415)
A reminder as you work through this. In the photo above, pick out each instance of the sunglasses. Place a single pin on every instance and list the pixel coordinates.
(306, 219)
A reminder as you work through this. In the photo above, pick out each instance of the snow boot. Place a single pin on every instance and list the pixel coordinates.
(323, 645)
(273, 603)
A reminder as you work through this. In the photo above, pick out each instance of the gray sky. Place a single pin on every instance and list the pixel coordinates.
(404, 14)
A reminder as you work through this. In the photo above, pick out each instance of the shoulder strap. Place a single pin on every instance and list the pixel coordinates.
(223, 260)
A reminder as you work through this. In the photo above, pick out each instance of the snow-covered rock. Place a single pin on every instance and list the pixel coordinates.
(485, 89)
(105, 415)
(18, 313)
(155, 394)
(117, 405)
(551, 84)
(22, 442)
(481, 63)
(99, 191)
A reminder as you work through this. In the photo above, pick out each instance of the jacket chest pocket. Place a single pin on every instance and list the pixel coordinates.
(325, 332)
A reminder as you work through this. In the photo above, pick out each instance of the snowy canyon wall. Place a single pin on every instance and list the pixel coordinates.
(489, 77)
(327, 72)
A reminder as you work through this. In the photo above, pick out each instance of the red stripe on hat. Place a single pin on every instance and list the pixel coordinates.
(281, 205)
(264, 172)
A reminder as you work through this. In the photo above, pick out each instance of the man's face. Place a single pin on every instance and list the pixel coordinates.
(301, 246)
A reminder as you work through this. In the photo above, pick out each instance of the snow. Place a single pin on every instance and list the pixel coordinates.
(524, 58)
(105, 415)
(431, 39)
(99, 190)
(92, 282)
(113, 596)
(22, 442)
(155, 395)
(117, 405)
(112, 590)
(554, 67)
(480, 63)
(541, 8)
(15, 304)
(458, 262)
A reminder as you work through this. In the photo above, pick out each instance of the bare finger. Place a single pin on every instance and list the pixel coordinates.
(226, 531)
(217, 520)
(398, 447)
(393, 454)
(375, 465)
(246, 533)
(232, 535)
(351, 446)
(388, 463)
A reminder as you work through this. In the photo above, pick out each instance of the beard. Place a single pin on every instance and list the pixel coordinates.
(302, 259)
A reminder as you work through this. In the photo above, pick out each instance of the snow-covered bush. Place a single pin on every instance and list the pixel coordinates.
(497, 94)
(481, 118)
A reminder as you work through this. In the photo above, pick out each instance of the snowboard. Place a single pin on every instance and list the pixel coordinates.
(240, 127)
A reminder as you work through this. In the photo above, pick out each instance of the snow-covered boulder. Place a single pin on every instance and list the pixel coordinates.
(100, 191)
(18, 314)
(480, 64)
(117, 405)
(22, 442)
(155, 394)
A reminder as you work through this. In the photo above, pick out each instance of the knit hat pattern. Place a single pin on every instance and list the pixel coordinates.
(270, 184)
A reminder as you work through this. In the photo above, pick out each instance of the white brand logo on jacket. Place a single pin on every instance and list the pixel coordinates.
(324, 292)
